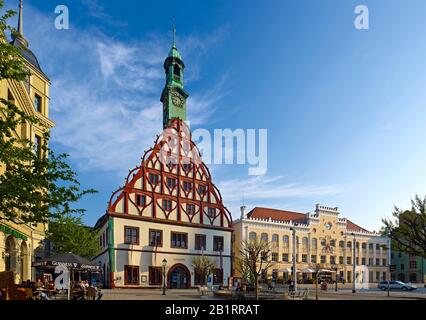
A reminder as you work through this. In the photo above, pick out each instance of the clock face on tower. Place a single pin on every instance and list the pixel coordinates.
(177, 99)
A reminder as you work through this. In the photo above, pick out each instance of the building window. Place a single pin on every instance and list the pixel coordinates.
(341, 244)
(202, 189)
(364, 245)
(333, 243)
(153, 179)
(155, 238)
(200, 242)
(217, 243)
(190, 209)
(264, 237)
(285, 257)
(305, 242)
(349, 244)
(314, 243)
(340, 260)
(363, 261)
(252, 236)
(264, 256)
(348, 260)
(377, 262)
(187, 186)
(304, 258)
(274, 256)
(313, 259)
(370, 246)
(37, 146)
(171, 182)
(179, 240)
(131, 275)
(38, 103)
(140, 200)
(211, 212)
(402, 266)
(377, 246)
(370, 261)
(413, 264)
(218, 276)
(285, 241)
(323, 259)
(167, 205)
(332, 260)
(131, 235)
(323, 242)
(187, 166)
(384, 262)
(275, 239)
(357, 261)
(155, 275)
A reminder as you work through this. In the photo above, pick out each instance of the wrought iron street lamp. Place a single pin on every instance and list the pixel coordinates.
(164, 276)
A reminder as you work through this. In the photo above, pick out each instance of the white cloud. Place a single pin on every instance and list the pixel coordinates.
(268, 190)
(105, 93)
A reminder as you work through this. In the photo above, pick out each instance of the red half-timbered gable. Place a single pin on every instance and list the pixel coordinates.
(172, 184)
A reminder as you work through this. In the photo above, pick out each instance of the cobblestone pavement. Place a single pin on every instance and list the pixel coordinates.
(152, 294)
(192, 294)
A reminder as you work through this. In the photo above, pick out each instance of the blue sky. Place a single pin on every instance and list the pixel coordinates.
(345, 109)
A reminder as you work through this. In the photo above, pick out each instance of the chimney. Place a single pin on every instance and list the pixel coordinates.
(243, 212)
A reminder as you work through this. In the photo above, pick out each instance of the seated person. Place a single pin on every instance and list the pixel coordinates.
(39, 284)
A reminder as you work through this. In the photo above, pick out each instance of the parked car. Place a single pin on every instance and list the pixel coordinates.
(396, 285)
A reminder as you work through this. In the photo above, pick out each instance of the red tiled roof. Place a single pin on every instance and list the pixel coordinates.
(284, 215)
(353, 227)
(275, 214)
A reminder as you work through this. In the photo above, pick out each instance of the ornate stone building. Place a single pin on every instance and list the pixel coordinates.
(168, 210)
(322, 238)
(20, 243)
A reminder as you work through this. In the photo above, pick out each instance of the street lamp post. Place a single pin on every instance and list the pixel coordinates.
(389, 263)
(354, 266)
(164, 276)
(336, 269)
(294, 275)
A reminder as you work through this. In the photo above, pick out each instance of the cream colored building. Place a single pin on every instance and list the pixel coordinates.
(322, 238)
(20, 243)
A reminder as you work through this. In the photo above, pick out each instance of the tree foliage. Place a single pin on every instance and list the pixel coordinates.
(255, 258)
(69, 234)
(407, 228)
(203, 267)
(37, 185)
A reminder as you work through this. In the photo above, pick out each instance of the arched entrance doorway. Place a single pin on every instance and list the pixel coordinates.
(178, 277)
(10, 254)
(24, 261)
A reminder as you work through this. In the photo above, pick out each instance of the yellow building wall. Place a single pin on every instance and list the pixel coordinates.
(19, 242)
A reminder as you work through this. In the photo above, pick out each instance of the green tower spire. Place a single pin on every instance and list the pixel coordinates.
(174, 96)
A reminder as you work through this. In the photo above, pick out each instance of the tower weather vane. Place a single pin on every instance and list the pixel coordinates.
(174, 32)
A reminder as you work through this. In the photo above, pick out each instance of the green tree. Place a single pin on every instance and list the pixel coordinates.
(69, 234)
(407, 228)
(36, 186)
(203, 267)
(254, 258)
